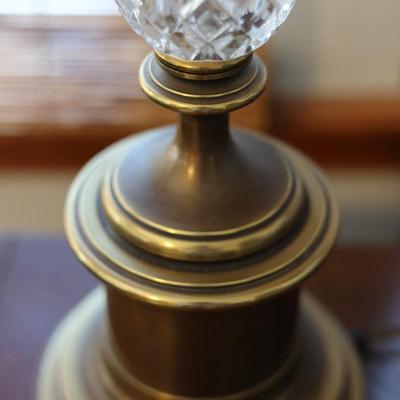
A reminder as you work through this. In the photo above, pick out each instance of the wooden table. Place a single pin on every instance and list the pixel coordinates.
(40, 280)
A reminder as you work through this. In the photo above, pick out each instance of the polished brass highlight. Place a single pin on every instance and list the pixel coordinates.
(202, 70)
(202, 236)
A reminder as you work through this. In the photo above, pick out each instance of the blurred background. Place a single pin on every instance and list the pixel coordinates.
(68, 87)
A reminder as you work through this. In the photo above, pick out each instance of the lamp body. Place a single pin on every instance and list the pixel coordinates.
(202, 236)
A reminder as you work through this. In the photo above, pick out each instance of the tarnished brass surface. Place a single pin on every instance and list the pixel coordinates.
(202, 97)
(190, 352)
(202, 235)
(156, 279)
(326, 365)
(214, 195)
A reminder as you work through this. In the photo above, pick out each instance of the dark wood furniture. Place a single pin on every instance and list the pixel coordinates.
(40, 280)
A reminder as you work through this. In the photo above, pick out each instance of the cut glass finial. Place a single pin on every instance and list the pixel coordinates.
(205, 29)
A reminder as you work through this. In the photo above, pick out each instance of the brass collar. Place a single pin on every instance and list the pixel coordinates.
(202, 70)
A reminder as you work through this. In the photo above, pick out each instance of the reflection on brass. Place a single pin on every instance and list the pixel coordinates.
(202, 236)
(202, 70)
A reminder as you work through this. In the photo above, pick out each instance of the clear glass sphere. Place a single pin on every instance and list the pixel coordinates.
(205, 29)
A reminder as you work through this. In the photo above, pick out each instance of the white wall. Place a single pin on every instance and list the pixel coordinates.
(338, 48)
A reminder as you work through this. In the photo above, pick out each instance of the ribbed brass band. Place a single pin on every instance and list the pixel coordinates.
(202, 93)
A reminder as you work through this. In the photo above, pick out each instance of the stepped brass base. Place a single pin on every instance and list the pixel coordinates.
(78, 365)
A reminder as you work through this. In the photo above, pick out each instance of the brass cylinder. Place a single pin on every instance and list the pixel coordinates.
(204, 353)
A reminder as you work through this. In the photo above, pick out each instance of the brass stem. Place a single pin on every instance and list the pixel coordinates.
(202, 144)
(203, 134)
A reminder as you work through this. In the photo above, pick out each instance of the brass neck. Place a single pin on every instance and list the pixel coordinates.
(203, 135)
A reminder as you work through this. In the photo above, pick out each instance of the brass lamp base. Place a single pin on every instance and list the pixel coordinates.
(79, 365)
(202, 235)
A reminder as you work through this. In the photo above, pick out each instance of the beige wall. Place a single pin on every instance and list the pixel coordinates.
(338, 48)
(369, 202)
(33, 201)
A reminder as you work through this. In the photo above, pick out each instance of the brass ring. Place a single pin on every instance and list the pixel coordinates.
(202, 96)
(192, 104)
(202, 70)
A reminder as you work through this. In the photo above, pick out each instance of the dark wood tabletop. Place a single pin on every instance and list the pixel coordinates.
(40, 280)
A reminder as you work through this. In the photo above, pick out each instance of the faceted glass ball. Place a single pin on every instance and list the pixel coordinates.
(205, 29)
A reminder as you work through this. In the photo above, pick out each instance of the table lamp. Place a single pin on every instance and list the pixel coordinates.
(202, 235)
